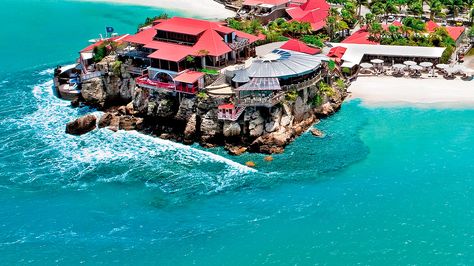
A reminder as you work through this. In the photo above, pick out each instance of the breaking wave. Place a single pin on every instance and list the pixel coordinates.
(53, 157)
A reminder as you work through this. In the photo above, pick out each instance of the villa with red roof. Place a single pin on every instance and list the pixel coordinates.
(172, 46)
(314, 12)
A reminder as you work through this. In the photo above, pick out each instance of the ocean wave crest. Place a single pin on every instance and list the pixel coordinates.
(102, 156)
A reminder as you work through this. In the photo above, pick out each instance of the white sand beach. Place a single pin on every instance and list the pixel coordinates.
(208, 9)
(391, 91)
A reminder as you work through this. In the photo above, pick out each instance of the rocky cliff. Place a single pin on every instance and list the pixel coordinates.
(194, 118)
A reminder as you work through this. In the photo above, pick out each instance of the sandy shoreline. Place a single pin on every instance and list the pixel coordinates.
(208, 9)
(391, 91)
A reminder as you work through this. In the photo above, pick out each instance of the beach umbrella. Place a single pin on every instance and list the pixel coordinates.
(442, 66)
(416, 67)
(366, 65)
(399, 66)
(376, 61)
(459, 68)
(451, 70)
(426, 64)
(410, 63)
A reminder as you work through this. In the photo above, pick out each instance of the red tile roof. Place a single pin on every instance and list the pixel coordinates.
(454, 32)
(226, 106)
(298, 46)
(209, 38)
(169, 51)
(314, 12)
(189, 77)
(337, 52)
(359, 37)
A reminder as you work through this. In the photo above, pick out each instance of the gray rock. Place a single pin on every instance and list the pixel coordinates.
(231, 129)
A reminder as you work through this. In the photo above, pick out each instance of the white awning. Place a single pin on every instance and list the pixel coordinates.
(87, 56)
(348, 64)
(355, 52)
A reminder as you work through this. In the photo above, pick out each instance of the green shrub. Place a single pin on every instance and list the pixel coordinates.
(202, 95)
(209, 71)
(116, 67)
(317, 100)
(291, 96)
(326, 89)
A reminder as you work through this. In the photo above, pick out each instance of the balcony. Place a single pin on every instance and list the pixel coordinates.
(146, 82)
(261, 101)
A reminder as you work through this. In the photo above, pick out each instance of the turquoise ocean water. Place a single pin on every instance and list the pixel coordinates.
(387, 186)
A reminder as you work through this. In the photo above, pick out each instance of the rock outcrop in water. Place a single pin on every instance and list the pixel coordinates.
(82, 125)
(195, 119)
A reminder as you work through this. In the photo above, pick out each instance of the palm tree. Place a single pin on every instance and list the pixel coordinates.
(359, 4)
(416, 8)
(436, 8)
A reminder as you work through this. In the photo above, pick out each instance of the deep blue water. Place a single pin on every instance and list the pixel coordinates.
(385, 186)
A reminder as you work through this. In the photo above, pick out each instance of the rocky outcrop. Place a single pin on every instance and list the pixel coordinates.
(81, 125)
(191, 119)
(93, 92)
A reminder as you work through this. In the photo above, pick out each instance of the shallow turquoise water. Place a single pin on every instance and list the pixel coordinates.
(386, 186)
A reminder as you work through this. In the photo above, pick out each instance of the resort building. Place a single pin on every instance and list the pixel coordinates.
(354, 54)
(313, 12)
(264, 10)
(170, 47)
(263, 83)
(86, 55)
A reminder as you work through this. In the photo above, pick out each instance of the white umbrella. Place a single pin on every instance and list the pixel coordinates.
(366, 65)
(451, 70)
(426, 64)
(409, 63)
(416, 67)
(459, 68)
(376, 61)
(399, 66)
(442, 66)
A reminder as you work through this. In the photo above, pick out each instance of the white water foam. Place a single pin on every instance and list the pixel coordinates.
(81, 156)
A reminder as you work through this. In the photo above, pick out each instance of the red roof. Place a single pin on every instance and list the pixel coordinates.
(337, 52)
(226, 106)
(454, 32)
(169, 51)
(118, 39)
(189, 77)
(266, 2)
(314, 12)
(298, 46)
(431, 26)
(142, 37)
(359, 37)
(397, 23)
(209, 38)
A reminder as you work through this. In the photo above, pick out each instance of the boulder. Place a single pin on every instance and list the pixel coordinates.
(129, 110)
(81, 125)
(190, 129)
(317, 133)
(231, 129)
(209, 125)
(186, 109)
(256, 125)
(128, 122)
(93, 92)
(105, 120)
(235, 150)
(300, 109)
(165, 108)
(286, 120)
(326, 109)
(140, 100)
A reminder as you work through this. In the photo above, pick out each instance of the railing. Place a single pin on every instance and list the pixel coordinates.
(145, 82)
(133, 53)
(136, 70)
(95, 74)
(302, 85)
(261, 101)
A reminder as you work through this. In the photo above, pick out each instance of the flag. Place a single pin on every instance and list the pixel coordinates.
(109, 29)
